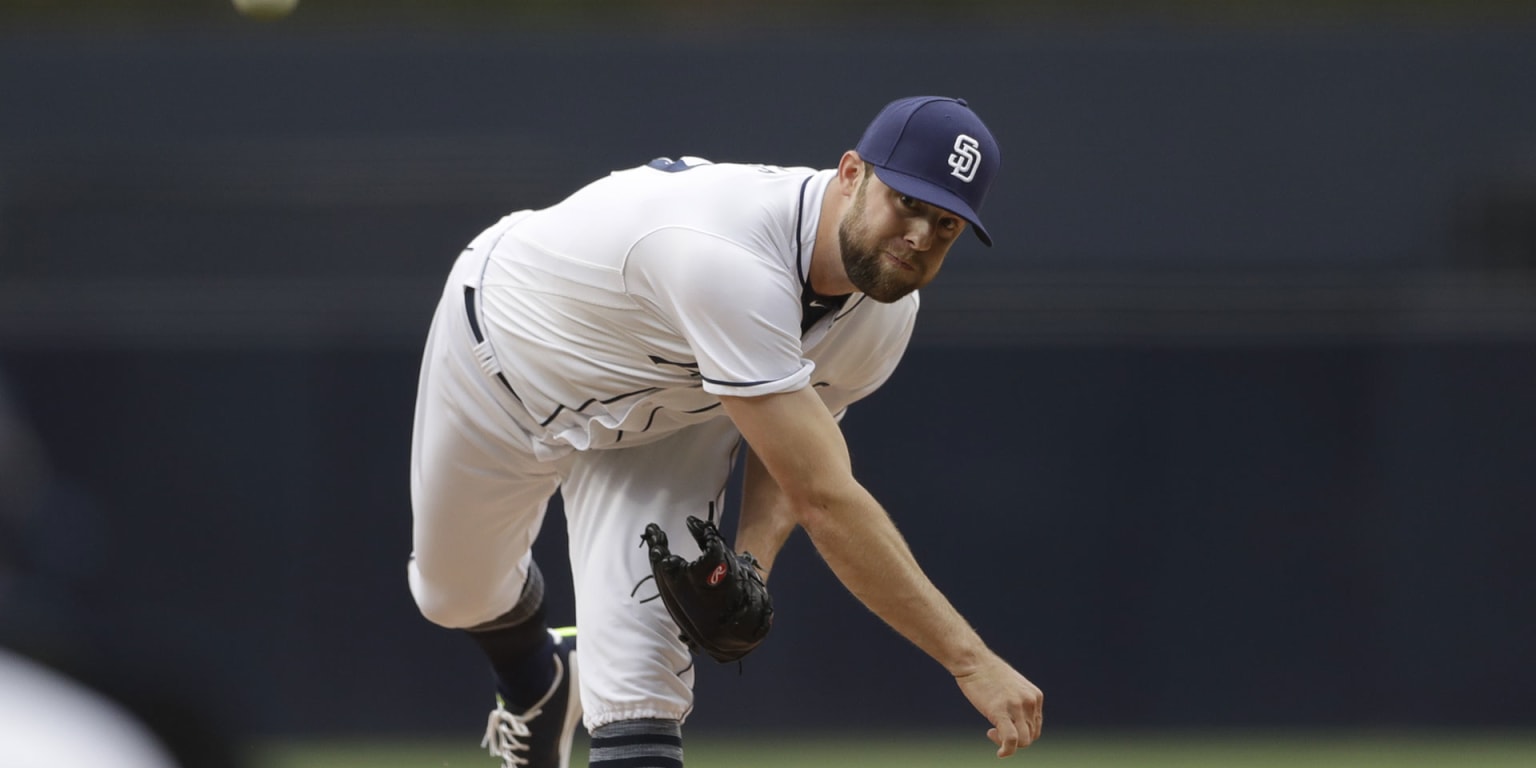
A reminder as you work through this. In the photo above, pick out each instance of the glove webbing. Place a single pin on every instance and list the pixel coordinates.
(652, 576)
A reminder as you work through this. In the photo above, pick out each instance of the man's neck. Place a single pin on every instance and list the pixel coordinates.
(827, 276)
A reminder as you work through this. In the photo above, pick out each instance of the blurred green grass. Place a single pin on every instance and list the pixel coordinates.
(1225, 749)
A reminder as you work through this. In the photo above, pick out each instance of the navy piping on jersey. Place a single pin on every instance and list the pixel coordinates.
(693, 368)
(651, 419)
(813, 306)
(805, 282)
(737, 383)
(561, 407)
(474, 328)
(847, 310)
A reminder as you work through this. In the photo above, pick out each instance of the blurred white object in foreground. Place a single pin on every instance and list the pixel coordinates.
(50, 721)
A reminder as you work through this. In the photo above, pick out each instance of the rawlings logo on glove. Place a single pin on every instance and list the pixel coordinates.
(719, 601)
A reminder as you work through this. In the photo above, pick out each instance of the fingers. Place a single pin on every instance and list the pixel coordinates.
(1019, 726)
(707, 536)
(1029, 724)
(1010, 702)
(1010, 737)
(713, 546)
(658, 552)
(1036, 715)
(654, 536)
(1006, 736)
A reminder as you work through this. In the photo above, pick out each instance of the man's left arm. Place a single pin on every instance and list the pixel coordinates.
(766, 520)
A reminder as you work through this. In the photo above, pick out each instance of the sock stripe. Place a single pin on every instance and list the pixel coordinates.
(630, 740)
(529, 602)
(647, 761)
(637, 744)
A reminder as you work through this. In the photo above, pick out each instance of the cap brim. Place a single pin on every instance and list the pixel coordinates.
(935, 195)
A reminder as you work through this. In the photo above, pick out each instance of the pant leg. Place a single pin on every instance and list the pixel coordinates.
(633, 666)
(478, 493)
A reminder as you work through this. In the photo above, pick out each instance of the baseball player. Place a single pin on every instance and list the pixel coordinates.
(617, 347)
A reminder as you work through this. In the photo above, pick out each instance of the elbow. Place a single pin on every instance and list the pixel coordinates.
(818, 510)
(812, 516)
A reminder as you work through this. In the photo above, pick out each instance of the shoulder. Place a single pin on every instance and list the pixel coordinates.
(683, 261)
(753, 205)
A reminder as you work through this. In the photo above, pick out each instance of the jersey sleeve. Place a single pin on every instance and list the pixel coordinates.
(738, 309)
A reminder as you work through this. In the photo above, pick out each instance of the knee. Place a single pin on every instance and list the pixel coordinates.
(448, 607)
(447, 613)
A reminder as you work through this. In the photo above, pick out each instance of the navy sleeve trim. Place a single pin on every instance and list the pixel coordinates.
(737, 383)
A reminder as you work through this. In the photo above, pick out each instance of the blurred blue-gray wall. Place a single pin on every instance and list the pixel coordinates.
(1235, 426)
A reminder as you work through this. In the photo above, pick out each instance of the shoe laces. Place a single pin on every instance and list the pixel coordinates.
(506, 734)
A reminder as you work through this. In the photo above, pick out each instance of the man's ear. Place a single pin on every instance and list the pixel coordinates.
(850, 171)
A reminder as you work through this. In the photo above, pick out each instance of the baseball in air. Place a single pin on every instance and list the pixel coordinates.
(265, 10)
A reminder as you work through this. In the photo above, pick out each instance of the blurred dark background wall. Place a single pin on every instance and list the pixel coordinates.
(1235, 426)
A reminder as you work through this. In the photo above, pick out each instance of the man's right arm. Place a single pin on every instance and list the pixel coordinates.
(802, 448)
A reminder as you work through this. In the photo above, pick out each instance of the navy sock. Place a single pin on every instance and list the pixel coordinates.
(637, 744)
(522, 659)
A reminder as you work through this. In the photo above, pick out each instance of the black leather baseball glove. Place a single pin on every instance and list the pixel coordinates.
(719, 601)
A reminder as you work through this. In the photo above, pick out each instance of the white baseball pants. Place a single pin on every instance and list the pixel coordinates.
(480, 484)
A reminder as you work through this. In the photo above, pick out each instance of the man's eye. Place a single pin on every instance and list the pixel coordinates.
(907, 201)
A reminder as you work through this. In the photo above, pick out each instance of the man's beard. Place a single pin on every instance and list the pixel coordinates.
(863, 263)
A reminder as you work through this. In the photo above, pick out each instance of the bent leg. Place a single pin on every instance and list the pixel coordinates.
(478, 494)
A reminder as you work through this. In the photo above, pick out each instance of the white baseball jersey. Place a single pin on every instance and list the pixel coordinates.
(614, 320)
(619, 314)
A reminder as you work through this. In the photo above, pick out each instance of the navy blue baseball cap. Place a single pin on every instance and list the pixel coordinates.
(937, 150)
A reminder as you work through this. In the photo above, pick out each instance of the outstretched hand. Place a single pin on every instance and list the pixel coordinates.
(1008, 700)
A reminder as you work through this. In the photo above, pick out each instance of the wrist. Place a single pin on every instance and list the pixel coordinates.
(966, 659)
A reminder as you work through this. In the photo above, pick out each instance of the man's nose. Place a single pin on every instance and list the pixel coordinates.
(920, 234)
